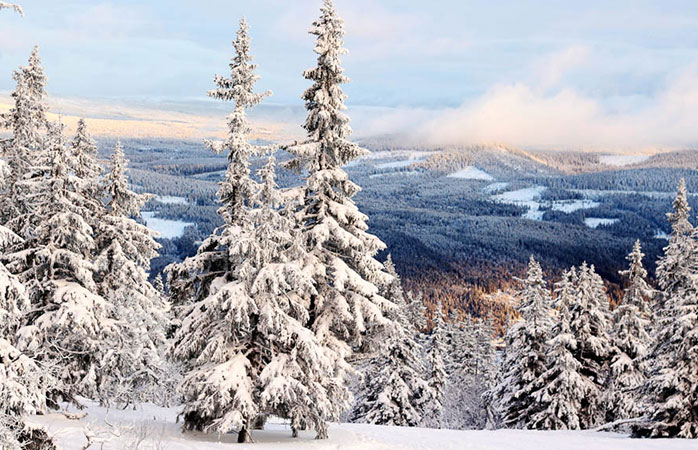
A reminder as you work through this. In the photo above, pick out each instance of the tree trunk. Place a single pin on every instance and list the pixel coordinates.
(244, 436)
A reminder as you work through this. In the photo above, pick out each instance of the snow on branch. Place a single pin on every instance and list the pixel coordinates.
(16, 7)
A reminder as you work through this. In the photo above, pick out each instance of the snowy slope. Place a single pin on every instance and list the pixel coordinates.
(151, 427)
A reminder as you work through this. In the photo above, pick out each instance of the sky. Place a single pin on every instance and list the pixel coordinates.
(592, 74)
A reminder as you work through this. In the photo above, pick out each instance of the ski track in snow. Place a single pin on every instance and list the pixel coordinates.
(161, 431)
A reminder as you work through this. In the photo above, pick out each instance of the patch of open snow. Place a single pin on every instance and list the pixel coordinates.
(152, 427)
(494, 187)
(622, 160)
(568, 206)
(171, 200)
(660, 234)
(168, 229)
(594, 222)
(530, 199)
(472, 173)
(521, 195)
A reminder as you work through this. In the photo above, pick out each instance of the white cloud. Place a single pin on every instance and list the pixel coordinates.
(520, 114)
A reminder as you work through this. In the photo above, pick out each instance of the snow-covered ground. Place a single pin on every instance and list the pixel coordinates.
(151, 427)
(472, 173)
(530, 198)
(168, 229)
(622, 160)
(660, 234)
(594, 222)
(171, 200)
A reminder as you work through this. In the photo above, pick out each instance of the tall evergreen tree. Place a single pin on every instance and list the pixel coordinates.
(68, 322)
(22, 383)
(191, 280)
(83, 163)
(590, 325)
(562, 388)
(27, 122)
(631, 321)
(348, 301)
(670, 390)
(525, 355)
(132, 369)
(434, 410)
(395, 391)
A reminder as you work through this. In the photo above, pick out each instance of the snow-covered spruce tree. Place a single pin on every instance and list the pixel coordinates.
(131, 370)
(68, 320)
(590, 324)
(348, 301)
(26, 120)
(83, 163)
(461, 345)
(474, 405)
(191, 280)
(670, 390)
(417, 311)
(434, 407)
(631, 321)
(394, 390)
(248, 350)
(524, 359)
(22, 383)
(561, 388)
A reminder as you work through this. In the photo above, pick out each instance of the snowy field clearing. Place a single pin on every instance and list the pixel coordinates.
(152, 427)
(530, 198)
(594, 222)
(168, 229)
(472, 173)
(622, 160)
(171, 200)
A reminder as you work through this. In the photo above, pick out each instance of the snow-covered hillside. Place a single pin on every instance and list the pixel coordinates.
(151, 427)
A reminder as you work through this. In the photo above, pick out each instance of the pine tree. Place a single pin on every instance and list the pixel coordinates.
(670, 390)
(132, 370)
(590, 324)
(22, 383)
(348, 302)
(562, 388)
(27, 122)
(434, 410)
(244, 335)
(525, 355)
(69, 320)
(395, 390)
(83, 163)
(631, 320)
(192, 279)
(417, 310)
(254, 326)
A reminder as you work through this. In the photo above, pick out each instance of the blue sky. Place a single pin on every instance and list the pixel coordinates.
(508, 70)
